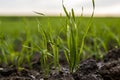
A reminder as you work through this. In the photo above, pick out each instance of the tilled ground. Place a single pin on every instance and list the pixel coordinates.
(106, 69)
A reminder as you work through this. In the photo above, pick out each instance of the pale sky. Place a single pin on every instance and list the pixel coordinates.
(54, 7)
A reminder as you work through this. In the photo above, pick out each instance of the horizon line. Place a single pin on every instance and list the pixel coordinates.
(59, 14)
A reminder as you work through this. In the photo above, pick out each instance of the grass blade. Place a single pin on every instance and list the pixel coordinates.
(65, 10)
(38, 13)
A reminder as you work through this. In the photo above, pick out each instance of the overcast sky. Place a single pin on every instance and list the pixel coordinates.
(54, 7)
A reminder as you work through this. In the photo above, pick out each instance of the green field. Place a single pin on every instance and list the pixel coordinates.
(106, 29)
(103, 35)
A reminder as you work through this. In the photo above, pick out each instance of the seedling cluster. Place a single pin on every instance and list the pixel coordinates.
(49, 43)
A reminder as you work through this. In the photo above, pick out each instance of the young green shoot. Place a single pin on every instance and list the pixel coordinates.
(72, 51)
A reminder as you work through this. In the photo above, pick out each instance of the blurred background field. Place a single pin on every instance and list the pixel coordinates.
(103, 35)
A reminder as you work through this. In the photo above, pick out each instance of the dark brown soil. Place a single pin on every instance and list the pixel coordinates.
(106, 69)
(90, 69)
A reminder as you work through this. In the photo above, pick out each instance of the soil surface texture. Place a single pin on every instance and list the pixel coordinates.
(107, 68)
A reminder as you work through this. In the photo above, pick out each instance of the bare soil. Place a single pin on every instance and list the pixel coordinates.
(107, 68)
